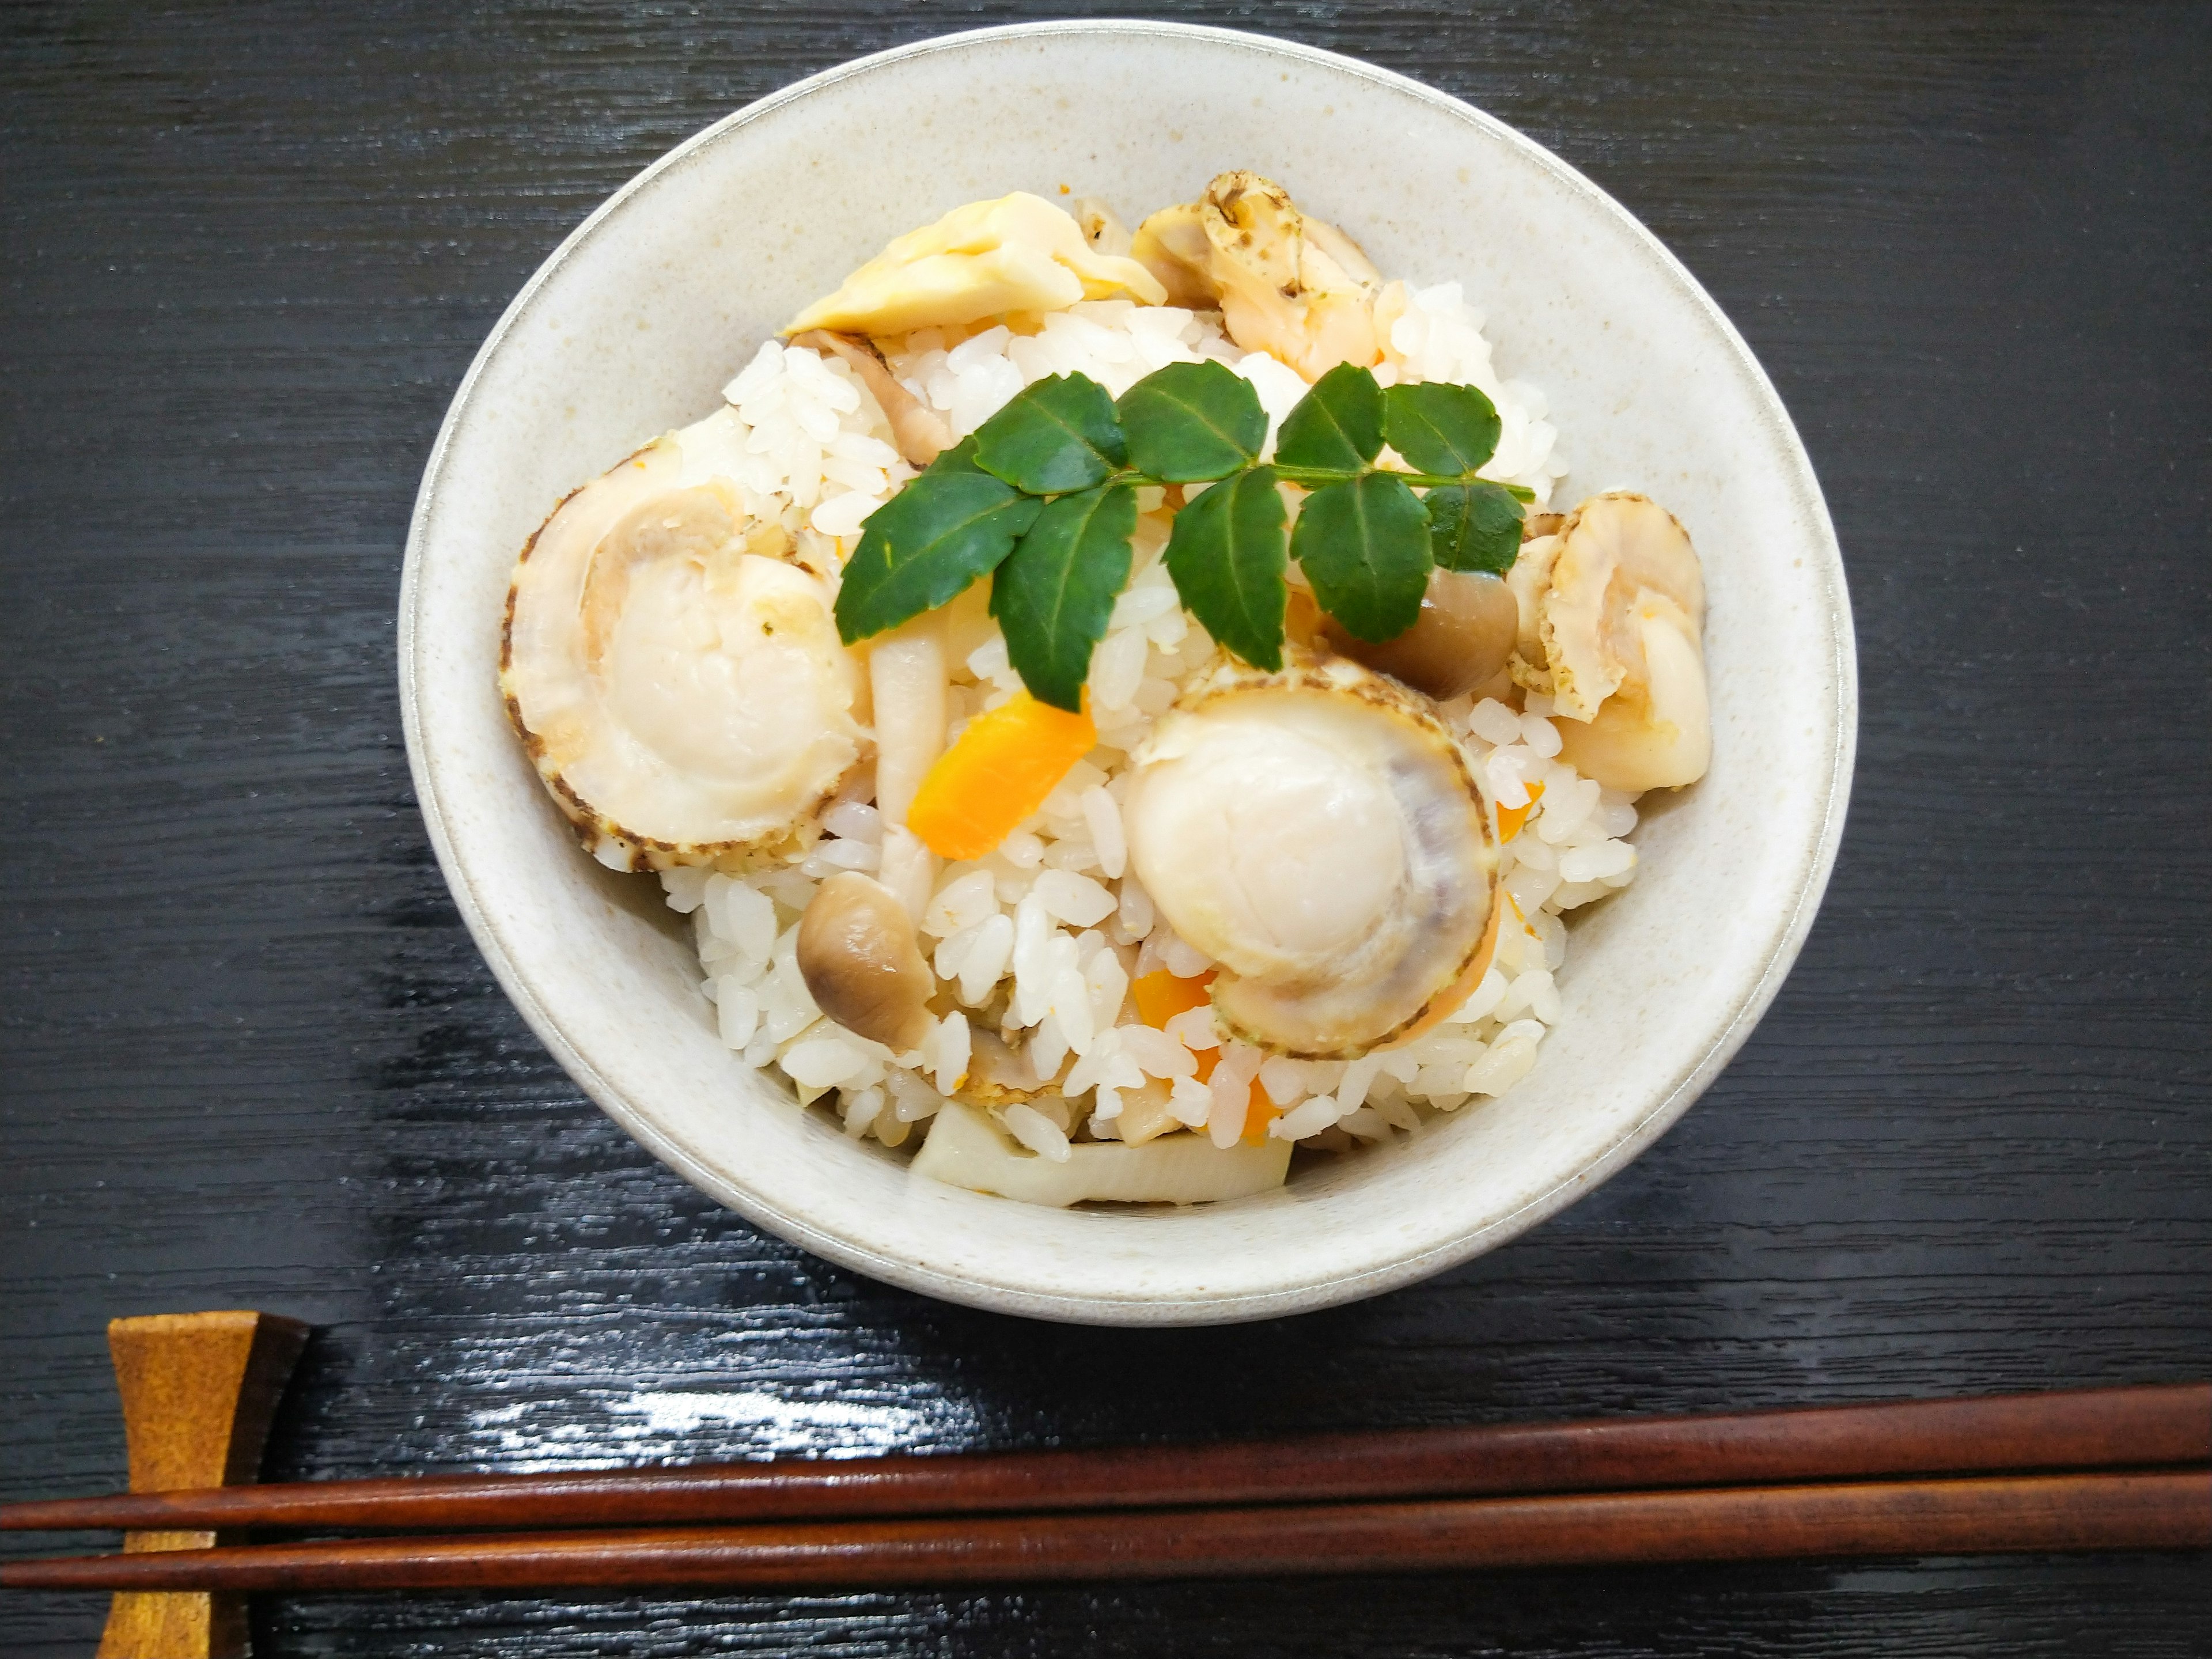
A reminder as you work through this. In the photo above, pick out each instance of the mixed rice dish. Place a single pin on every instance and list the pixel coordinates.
(1077, 835)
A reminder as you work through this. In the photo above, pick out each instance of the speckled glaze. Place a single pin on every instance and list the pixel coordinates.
(634, 323)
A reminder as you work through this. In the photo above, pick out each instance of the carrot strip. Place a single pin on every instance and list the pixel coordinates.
(1259, 1114)
(1510, 818)
(1160, 996)
(998, 772)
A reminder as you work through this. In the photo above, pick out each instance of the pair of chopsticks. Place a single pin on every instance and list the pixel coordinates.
(2108, 1468)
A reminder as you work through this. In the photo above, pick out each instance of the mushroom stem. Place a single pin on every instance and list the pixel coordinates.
(908, 676)
(920, 432)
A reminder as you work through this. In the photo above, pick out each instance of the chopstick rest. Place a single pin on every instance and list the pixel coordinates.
(199, 1392)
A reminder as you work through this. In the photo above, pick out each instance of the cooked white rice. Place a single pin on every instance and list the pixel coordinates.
(1034, 939)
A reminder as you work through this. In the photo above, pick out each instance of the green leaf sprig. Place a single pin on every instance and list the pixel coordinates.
(1042, 498)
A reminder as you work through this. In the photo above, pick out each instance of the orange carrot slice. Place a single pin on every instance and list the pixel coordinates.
(1510, 818)
(996, 774)
(1160, 996)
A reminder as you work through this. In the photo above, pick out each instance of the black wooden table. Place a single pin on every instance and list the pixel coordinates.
(251, 1057)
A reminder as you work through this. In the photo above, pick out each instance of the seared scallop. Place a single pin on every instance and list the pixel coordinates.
(1317, 832)
(675, 675)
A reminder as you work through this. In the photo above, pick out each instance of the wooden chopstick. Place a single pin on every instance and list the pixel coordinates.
(2154, 1510)
(2098, 1428)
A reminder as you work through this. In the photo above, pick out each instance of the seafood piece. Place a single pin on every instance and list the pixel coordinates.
(857, 952)
(1464, 635)
(1655, 732)
(1318, 833)
(1611, 620)
(1105, 233)
(919, 430)
(1527, 580)
(1146, 1113)
(1174, 246)
(1286, 282)
(675, 676)
(999, 1074)
(1018, 253)
(966, 1149)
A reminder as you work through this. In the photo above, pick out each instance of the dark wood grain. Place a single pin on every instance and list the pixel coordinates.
(251, 1059)
(2028, 1515)
(2076, 1429)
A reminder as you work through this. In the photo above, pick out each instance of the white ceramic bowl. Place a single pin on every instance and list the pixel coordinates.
(633, 325)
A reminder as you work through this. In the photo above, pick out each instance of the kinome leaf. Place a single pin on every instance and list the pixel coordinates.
(1227, 553)
(1365, 546)
(925, 545)
(1054, 593)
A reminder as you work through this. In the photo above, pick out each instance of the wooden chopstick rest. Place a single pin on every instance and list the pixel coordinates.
(199, 1392)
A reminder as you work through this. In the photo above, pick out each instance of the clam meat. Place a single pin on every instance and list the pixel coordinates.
(1611, 611)
(1285, 282)
(1019, 253)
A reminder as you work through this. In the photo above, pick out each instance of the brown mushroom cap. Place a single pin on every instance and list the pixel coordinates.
(1464, 635)
(858, 955)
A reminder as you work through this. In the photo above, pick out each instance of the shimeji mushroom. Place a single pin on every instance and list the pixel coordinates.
(859, 955)
(1459, 642)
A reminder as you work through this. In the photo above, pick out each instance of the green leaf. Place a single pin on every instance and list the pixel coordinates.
(1227, 553)
(1053, 594)
(1448, 429)
(1364, 545)
(1192, 423)
(1336, 427)
(1052, 437)
(1474, 526)
(925, 545)
(961, 457)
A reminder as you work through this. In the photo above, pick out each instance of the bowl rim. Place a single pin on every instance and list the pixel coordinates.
(1105, 1307)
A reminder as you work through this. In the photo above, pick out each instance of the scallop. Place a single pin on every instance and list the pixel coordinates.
(675, 674)
(1611, 611)
(1318, 833)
